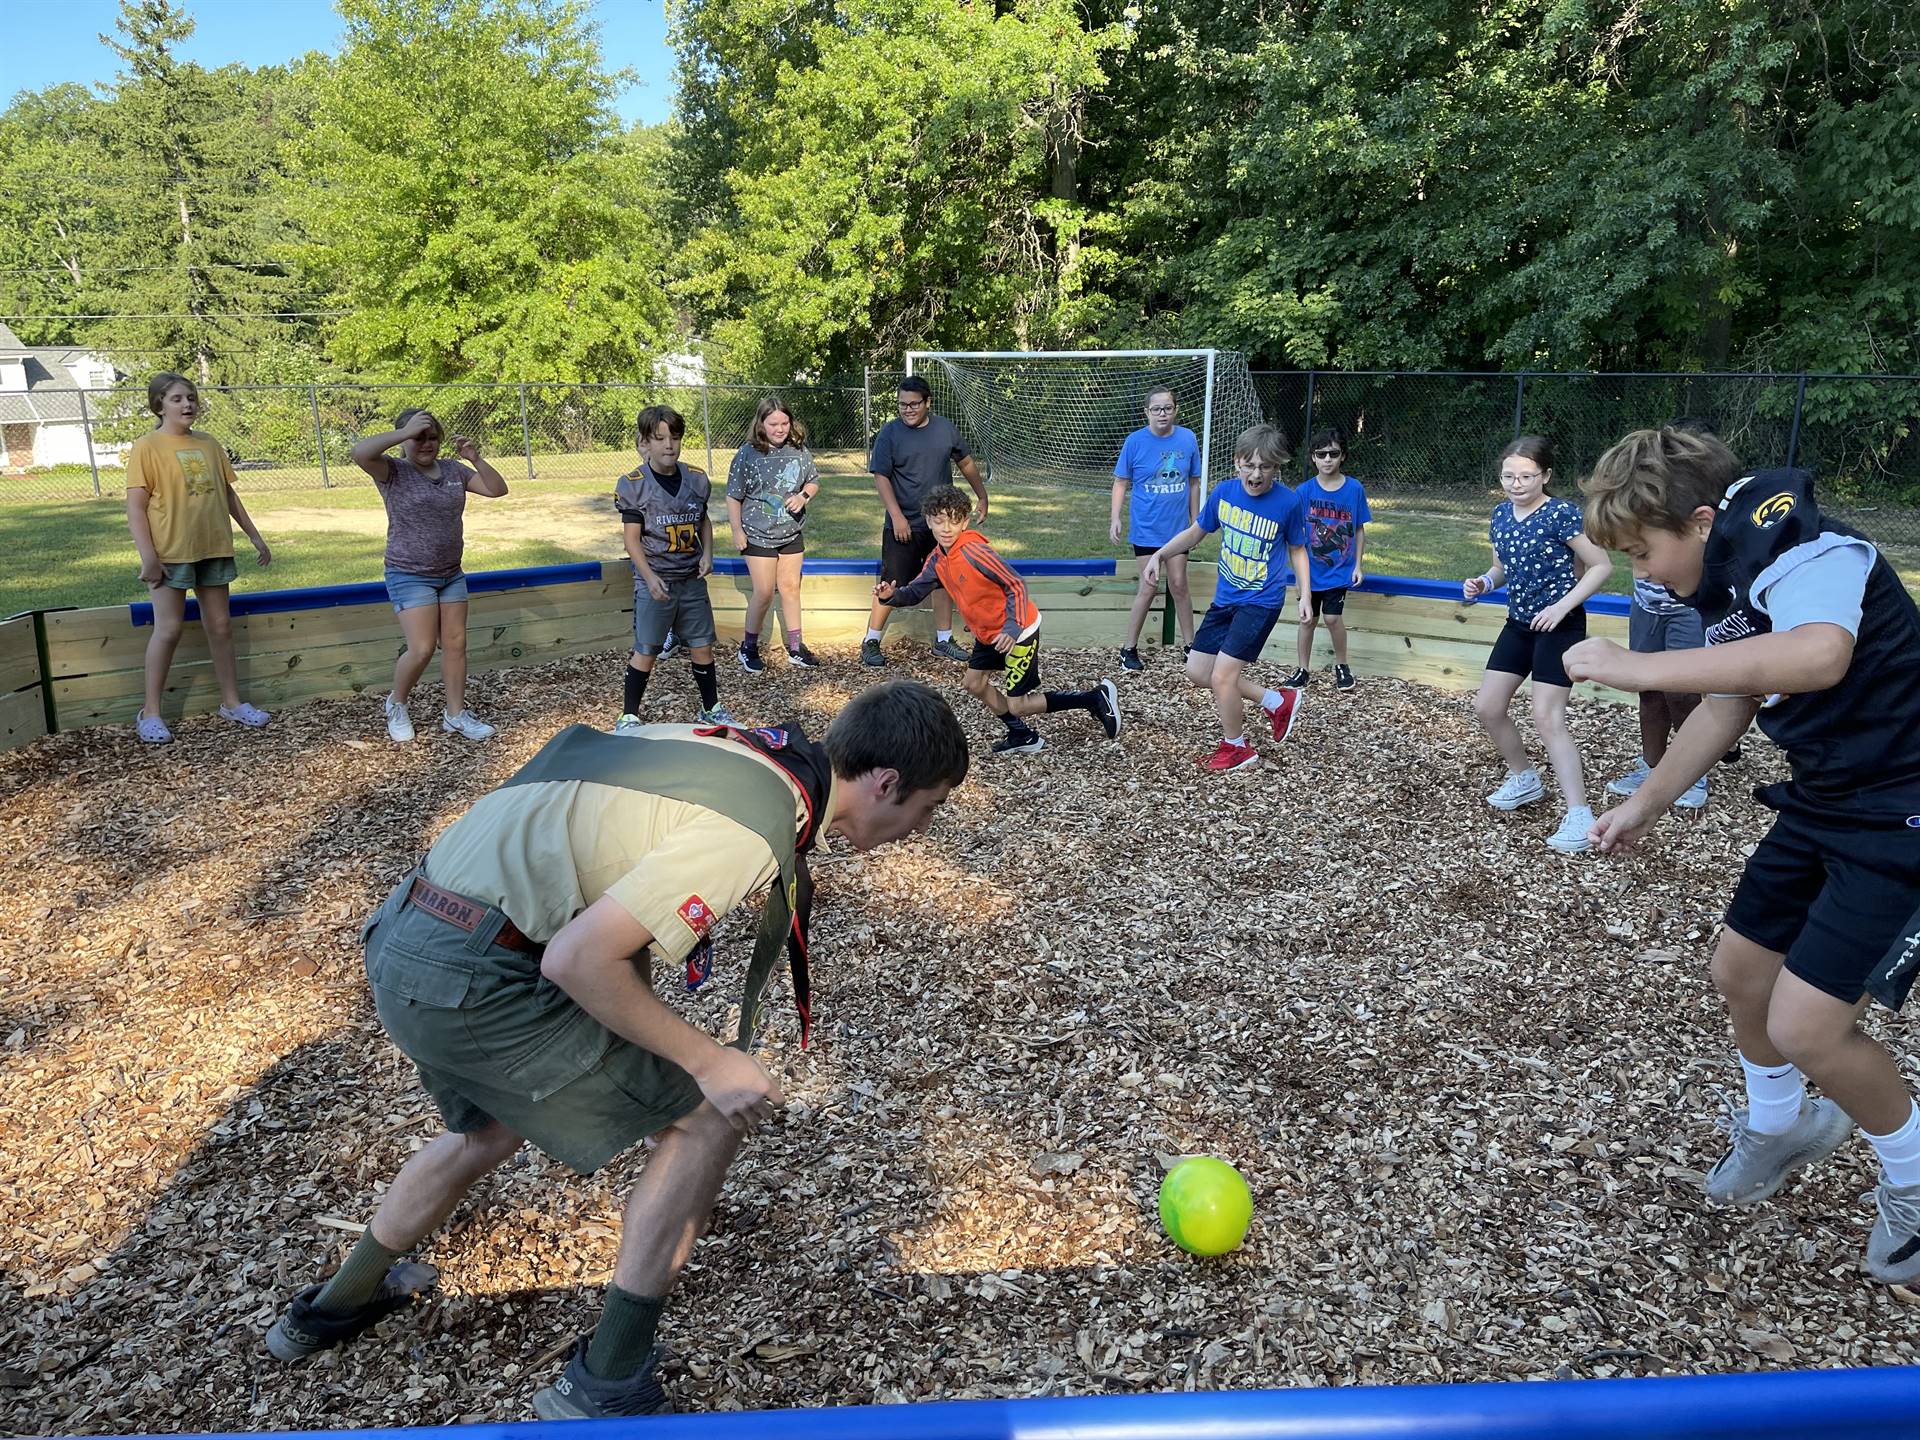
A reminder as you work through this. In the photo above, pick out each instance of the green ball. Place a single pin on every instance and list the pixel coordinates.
(1205, 1206)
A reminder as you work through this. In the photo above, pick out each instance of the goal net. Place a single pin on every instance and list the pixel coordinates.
(1059, 417)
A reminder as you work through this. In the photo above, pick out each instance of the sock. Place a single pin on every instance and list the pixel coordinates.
(1272, 701)
(636, 690)
(793, 637)
(1016, 724)
(355, 1282)
(624, 1335)
(703, 677)
(942, 637)
(751, 639)
(1069, 700)
(1774, 1093)
(1899, 1152)
(872, 634)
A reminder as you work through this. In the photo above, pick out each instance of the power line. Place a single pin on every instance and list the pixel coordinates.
(203, 315)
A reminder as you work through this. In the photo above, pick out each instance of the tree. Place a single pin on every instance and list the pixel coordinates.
(901, 188)
(470, 200)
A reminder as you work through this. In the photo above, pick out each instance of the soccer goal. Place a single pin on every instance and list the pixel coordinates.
(1058, 417)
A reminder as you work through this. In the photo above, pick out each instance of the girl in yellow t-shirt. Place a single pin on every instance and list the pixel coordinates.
(180, 496)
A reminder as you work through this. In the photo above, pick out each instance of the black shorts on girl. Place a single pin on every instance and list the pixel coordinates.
(1522, 650)
(795, 546)
(1237, 631)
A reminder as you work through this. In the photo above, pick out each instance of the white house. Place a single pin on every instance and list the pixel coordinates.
(40, 407)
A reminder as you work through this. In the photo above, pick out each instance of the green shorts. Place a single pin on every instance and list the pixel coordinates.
(199, 574)
(494, 1040)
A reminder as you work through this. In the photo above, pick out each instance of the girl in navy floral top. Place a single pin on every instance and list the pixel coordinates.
(1537, 541)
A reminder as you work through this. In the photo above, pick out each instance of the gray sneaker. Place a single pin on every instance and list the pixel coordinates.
(1893, 1250)
(1758, 1165)
(305, 1331)
(870, 654)
(951, 650)
(578, 1394)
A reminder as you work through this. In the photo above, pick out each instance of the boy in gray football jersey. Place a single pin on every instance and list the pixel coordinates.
(669, 538)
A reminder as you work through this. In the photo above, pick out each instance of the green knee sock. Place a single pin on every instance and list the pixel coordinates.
(354, 1283)
(624, 1335)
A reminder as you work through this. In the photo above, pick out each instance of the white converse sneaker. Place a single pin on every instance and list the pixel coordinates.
(399, 723)
(465, 724)
(1521, 787)
(1571, 837)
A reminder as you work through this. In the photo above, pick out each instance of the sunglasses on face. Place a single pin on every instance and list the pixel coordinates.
(1327, 454)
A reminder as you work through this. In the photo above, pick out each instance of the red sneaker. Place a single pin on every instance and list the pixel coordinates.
(1285, 713)
(1232, 755)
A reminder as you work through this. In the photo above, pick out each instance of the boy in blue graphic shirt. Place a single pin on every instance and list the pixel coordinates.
(1809, 630)
(1337, 516)
(1160, 463)
(1256, 522)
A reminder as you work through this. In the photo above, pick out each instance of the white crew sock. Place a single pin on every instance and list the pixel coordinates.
(1899, 1152)
(872, 634)
(1774, 1096)
(1271, 701)
(941, 637)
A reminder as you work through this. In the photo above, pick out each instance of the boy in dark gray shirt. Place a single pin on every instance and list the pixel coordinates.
(669, 539)
(913, 456)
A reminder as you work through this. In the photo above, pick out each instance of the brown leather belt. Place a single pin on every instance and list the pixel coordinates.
(459, 911)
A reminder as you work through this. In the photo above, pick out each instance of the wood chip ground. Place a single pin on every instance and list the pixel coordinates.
(1471, 1082)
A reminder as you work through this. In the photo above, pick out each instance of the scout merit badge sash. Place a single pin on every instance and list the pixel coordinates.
(735, 785)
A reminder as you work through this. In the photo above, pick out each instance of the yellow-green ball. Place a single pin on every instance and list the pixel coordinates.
(1205, 1206)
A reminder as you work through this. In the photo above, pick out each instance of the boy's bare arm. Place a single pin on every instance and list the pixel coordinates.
(1786, 662)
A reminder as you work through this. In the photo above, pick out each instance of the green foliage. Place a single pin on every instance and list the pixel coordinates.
(471, 201)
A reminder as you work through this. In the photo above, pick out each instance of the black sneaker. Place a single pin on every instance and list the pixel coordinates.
(1731, 757)
(1343, 678)
(1106, 708)
(1296, 681)
(305, 1331)
(801, 656)
(578, 1394)
(870, 653)
(750, 660)
(670, 645)
(1130, 659)
(1020, 742)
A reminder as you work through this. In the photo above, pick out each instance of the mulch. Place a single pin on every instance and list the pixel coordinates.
(1471, 1082)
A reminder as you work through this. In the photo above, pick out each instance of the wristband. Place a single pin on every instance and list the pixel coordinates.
(1487, 580)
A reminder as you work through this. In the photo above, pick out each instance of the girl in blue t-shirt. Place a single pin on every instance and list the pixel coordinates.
(1160, 467)
(1540, 552)
(1337, 516)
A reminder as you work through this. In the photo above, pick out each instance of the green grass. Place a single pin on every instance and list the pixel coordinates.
(78, 552)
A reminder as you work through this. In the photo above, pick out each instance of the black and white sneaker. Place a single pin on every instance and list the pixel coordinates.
(1106, 708)
(799, 655)
(670, 645)
(1130, 660)
(579, 1394)
(1020, 742)
(750, 660)
(1296, 681)
(1343, 678)
(305, 1331)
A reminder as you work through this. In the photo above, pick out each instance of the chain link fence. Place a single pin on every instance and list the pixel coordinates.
(1424, 439)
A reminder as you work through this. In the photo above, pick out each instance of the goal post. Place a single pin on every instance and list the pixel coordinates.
(1059, 417)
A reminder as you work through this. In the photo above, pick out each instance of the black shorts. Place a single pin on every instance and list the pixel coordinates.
(1838, 895)
(1021, 664)
(1522, 650)
(902, 561)
(1237, 631)
(1330, 602)
(796, 546)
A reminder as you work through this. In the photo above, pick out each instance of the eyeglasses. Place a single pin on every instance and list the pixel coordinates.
(1160, 409)
(1328, 454)
(913, 404)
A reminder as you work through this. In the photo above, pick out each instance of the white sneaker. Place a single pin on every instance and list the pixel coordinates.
(1571, 837)
(627, 724)
(399, 723)
(1632, 780)
(1521, 787)
(465, 724)
(1695, 797)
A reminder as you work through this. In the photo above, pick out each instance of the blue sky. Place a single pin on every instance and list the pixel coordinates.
(52, 41)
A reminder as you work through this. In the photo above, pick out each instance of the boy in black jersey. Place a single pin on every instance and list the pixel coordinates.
(1809, 629)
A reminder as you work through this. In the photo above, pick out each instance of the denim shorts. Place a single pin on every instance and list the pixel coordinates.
(410, 592)
(493, 1039)
(199, 574)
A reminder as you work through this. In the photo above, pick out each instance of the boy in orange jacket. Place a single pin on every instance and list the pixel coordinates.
(1006, 626)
